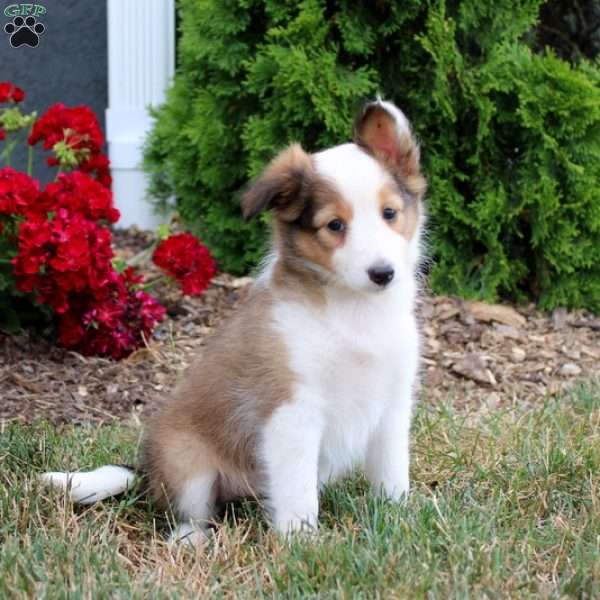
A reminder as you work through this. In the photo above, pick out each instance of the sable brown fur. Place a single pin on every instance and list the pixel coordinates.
(283, 186)
(308, 241)
(212, 419)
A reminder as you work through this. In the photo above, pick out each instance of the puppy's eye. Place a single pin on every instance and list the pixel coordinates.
(336, 225)
(389, 214)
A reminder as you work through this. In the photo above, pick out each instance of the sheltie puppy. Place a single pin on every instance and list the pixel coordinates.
(315, 374)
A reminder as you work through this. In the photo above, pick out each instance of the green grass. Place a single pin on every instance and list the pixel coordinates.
(505, 503)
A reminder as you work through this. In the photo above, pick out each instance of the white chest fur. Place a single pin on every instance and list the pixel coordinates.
(351, 359)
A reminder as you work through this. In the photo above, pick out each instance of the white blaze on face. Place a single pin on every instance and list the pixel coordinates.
(369, 240)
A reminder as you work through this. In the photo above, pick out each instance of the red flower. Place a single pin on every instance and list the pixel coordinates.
(131, 278)
(19, 193)
(115, 324)
(183, 257)
(18, 94)
(80, 194)
(2, 134)
(9, 91)
(70, 330)
(77, 125)
(64, 256)
(98, 164)
(66, 261)
(60, 256)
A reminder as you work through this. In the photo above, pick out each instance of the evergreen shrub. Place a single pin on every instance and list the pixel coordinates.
(510, 132)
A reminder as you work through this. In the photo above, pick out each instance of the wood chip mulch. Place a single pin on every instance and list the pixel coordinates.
(475, 354)
(495, 354)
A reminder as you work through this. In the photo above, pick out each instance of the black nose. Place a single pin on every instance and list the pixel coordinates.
(381, 274)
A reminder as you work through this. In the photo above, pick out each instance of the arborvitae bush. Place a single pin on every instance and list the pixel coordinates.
(510, 137)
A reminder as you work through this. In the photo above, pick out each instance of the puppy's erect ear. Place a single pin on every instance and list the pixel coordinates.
(285, 186)
(383, 130)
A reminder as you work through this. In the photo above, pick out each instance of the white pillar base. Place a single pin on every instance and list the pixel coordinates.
(129, 190)
(125, 130)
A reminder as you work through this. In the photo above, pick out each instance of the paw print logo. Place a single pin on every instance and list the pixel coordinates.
(24, 32)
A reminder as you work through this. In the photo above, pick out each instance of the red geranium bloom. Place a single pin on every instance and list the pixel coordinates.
(78, 126)
(19, 193)
(58, 256)
(183, 257)
(115, 323)
(79, 193)
(70, 330)
(9, 91)
(2, 134)
(98, 164)
(18, 94)
(66, 261)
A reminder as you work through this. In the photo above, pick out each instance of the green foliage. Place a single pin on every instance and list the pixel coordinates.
(514, 172)
(510, 136)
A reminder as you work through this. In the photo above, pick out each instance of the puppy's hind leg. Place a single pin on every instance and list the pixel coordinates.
(195, 506)
(182, 475)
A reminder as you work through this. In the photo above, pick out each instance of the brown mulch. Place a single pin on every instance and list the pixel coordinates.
(38, 379)
(473, 354)
(478, 353)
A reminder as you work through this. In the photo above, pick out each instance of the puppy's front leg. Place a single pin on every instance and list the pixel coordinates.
(290, 452)
(387, 461)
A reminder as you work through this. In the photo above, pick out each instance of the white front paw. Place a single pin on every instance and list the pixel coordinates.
(288, 522)
(396, 490)
(191, 534)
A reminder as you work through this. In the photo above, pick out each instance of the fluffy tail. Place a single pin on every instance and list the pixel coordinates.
(92, 486)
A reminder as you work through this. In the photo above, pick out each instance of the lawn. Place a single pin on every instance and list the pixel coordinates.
(505, 503)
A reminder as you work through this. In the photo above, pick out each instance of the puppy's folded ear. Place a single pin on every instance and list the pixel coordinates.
(382, 129)
(285, 186)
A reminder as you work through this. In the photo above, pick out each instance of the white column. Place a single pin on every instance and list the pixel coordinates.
(141, 63)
